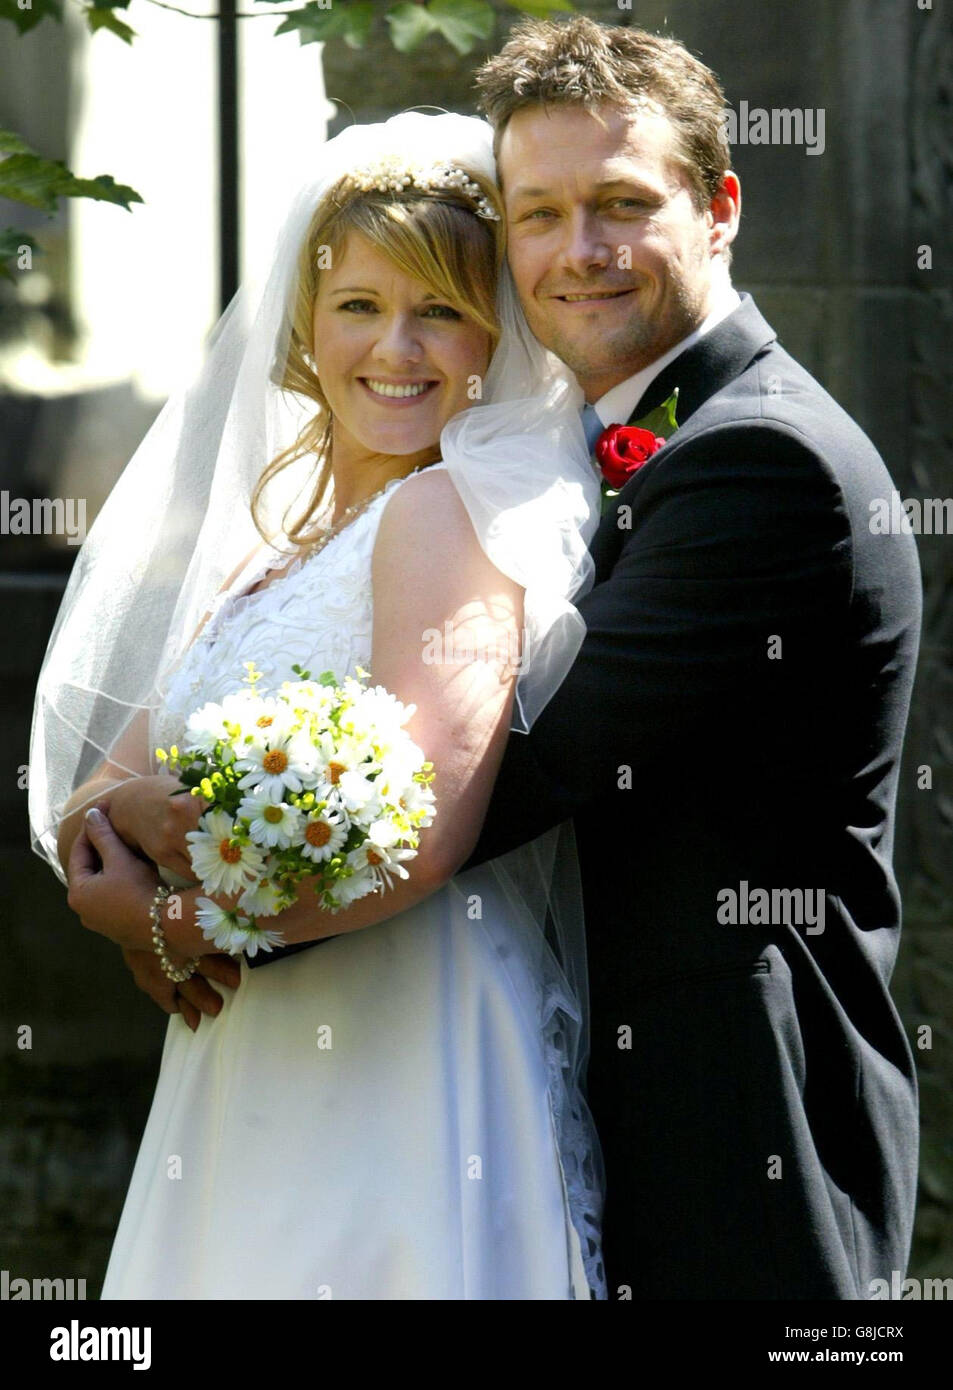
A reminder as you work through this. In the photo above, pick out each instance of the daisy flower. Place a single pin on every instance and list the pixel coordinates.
(271, 822)
(308, 695)
(418, 802)
(231, 931)
(206, 726)
(272, 719)
(339, 753)
(357, 885)
(381, 860)
(221, 866)
(378, 714)
(258, 938)
(264, 899)
(396, 784)
(358, 794)
(285, 762)
(325, 831)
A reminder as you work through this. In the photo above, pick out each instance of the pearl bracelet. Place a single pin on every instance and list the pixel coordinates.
(171, 971)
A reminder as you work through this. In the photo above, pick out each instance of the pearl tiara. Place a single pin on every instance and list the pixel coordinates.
(392, 175)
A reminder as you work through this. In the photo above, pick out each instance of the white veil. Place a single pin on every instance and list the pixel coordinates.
(178, 522)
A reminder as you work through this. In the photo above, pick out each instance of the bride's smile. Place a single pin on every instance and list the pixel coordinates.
(399, 390)
(395, 360)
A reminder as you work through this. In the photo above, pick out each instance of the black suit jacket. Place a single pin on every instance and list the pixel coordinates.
(735, 717)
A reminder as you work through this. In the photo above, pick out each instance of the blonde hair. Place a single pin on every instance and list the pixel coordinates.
(437, 238)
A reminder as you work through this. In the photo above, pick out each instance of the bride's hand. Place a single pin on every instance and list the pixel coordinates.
(147, 816)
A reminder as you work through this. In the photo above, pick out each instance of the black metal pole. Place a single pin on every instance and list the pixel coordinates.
(228, 171)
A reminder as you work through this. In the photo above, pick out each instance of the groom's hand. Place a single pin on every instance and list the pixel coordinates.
(191, 998)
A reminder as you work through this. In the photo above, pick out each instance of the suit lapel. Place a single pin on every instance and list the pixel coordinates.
(711, 364)
(699, 373)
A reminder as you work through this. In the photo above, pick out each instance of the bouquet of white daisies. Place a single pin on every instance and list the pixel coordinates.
(314, 781)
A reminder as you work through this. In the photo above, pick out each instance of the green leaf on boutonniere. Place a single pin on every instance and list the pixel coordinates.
(661, 420)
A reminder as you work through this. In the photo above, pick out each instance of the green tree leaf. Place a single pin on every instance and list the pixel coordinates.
(463, 23)
(539, 9)
(29, 18)
(409, 26)
(30, 178)
(99, 18)
(315, 24)
(11, 143)
(102, 189)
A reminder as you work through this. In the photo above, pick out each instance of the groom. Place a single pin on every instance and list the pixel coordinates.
(728, 741)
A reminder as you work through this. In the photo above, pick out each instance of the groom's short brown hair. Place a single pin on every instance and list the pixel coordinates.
(580, 62)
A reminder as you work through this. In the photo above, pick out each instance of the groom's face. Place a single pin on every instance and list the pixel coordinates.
(611, 257)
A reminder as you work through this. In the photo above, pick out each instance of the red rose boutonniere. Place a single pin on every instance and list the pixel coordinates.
(621, 450)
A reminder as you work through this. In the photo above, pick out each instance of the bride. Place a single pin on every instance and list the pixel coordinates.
(395, 1112)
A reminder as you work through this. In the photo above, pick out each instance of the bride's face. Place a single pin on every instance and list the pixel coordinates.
(395, 362)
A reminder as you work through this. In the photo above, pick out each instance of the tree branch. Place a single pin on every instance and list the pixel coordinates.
(239, 14)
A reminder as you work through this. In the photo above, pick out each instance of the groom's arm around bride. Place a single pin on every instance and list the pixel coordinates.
(728, 741)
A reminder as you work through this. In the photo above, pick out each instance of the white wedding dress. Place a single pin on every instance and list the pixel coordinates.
(386, 1115)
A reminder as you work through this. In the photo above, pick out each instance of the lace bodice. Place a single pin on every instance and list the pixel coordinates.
(318, 615)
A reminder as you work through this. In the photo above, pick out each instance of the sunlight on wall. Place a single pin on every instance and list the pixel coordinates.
(285, 115)
(146, 281)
